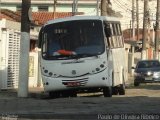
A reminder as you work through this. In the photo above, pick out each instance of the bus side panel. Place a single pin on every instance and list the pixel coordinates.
(119, 67)
(110, 66)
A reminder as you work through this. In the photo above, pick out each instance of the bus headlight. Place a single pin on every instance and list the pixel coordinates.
(97, 70)
(50, 74)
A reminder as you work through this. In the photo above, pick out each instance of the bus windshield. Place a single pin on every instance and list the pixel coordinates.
(79, 38)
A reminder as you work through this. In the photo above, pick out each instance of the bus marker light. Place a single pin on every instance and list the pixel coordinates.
(97, 69)
(101, 65)
(50, 74)
(47, 83)
(46, 71)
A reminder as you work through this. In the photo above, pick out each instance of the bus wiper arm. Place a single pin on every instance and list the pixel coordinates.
(86, 55)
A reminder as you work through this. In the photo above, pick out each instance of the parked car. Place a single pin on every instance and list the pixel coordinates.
(146, 71)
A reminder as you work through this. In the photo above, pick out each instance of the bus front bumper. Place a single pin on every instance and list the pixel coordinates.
(99, 80)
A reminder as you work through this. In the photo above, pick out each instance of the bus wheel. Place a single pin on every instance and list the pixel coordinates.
(122, 87)
(73, 94)
(65, 94)
(136, 84)
(54, 94)
(121, 90)
(114, 90)
(69, 93)
(107, 92)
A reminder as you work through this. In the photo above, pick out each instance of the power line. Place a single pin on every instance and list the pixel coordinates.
(122, 6)
(125, 4)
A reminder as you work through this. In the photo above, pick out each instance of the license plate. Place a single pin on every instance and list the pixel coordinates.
(148, 78)
(73, 84)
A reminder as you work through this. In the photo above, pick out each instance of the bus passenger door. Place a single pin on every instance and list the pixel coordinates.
(109, 45)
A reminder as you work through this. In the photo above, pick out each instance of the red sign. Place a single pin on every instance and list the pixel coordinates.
(72, 84)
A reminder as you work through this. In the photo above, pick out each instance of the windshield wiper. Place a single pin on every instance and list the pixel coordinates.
(67, 56)
(86, 55)
(60, 56)
(77, 56)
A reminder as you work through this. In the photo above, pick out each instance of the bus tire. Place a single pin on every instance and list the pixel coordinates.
(136, 84)
(54, 94)
(65, 93)
(114, 90)
(73, 94)
(107, 92)
(122, 89)
(122, 86)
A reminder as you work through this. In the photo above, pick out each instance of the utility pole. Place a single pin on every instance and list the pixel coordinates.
(157, 30)
(133, 35)
(24, 50)
(103, 7)
(137, 17)
(145, 25)
(0, 6)
(130, 29)
(74, 7)
(54, 8)
(133, 20)
(97, 7)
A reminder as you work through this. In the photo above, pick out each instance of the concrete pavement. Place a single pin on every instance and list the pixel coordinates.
(39, 106)
(138, 102)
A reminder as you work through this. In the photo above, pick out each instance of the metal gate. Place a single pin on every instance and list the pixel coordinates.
(13, 59)
(10, 46)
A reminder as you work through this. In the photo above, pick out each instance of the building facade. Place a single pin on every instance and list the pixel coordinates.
(88, 7)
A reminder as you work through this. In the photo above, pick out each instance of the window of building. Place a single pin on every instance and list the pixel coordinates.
(42, 8)
(19, 8)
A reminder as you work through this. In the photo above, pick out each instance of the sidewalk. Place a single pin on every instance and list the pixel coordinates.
(130, 80)
(38, 105)
(36, 92)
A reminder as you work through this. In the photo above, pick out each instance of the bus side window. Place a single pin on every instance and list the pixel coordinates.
(44, 44)
(108, 33)
(113, 37)
(40, 37)
(107, 30)
(119, 35)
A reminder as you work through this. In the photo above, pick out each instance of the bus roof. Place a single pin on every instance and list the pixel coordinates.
(72, 18)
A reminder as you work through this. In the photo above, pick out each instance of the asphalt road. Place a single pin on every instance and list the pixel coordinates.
(139, 102)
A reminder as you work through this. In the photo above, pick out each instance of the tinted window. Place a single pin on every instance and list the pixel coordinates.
(148, 64)
(77, 37)
(113, 34)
